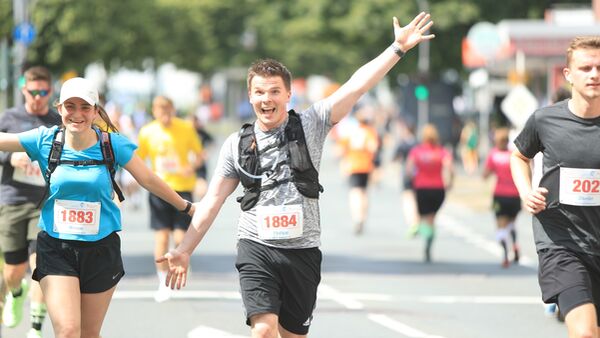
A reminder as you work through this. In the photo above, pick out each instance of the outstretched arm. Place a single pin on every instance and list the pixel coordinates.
(10, 142)
(369, 74)
(206, 212)
(154, 184)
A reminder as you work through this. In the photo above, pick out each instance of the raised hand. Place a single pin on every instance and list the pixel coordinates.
(410, 35)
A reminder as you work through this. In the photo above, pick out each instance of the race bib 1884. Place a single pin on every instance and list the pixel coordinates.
(279, 222)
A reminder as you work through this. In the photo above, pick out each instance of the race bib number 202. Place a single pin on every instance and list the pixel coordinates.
(579, 186)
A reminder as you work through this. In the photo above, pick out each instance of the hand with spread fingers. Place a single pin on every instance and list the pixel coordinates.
(410, 35)
(178, 266)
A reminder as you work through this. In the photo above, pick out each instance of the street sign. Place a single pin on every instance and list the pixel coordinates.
(24, 33)
(485, 39)
(518, 105)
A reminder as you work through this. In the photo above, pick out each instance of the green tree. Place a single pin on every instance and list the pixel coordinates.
(310, 36)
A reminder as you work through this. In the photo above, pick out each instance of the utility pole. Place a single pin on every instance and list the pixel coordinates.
(423, 68)
(20, 16)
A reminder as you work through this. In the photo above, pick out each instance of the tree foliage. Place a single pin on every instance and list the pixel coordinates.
(310, 36)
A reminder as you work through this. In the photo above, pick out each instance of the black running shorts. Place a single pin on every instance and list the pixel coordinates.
(98, 265)
(279, 281)
(569, 278)
(359, 180)
(429, 201)
(164, 216)
(507, 206)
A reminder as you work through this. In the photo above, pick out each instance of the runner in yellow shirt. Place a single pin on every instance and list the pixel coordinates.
(174, 151)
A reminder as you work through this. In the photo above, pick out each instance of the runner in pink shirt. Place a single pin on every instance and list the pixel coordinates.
(429, 162)
(507, 202)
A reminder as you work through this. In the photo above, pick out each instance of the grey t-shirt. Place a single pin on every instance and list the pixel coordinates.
(567, 141)
(16, 120)
(316, 124)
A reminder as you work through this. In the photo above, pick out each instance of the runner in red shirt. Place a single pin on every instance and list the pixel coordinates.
(429, 162)
(507, 202)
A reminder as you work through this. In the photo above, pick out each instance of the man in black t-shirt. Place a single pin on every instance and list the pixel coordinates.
(566, 204)
(21, 189)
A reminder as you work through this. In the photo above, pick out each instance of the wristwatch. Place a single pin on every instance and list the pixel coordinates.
(397, 50)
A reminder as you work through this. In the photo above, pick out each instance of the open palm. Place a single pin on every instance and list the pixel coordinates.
(413, 33)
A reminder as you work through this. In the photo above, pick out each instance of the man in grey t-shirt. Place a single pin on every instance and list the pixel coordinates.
(21, 189)
(278, 260)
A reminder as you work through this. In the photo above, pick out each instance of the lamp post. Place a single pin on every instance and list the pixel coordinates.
(423, 68)
(20, 16)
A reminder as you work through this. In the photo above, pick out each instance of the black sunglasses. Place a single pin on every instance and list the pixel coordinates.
(42, 93)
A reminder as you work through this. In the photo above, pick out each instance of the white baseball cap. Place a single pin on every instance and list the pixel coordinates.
(79, 87)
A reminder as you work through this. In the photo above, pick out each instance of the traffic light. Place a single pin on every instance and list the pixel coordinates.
(421, 92)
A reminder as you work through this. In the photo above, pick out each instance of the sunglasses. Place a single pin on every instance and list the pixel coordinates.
(42, 93)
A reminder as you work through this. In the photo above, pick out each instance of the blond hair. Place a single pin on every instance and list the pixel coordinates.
(429, 134)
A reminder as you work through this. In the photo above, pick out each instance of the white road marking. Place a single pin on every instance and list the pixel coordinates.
(352, 301)
(348, 301)
(453, 226)
(399, 327)
(205, 331)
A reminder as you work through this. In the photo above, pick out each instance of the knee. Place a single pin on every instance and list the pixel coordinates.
(68, 331)
(582, 330)
(14, 273)
(264, 331)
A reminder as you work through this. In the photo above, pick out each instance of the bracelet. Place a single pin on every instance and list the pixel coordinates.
(397, 50)
(188, 206)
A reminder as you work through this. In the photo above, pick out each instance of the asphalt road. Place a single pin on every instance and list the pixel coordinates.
(374, 285)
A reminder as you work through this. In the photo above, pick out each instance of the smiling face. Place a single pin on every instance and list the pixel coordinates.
(269, 98)
(77, 115)
(583, 72)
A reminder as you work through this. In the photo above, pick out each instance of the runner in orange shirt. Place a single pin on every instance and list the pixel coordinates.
(358, 150)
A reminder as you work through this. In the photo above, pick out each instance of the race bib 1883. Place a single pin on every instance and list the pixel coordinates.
(76, 217)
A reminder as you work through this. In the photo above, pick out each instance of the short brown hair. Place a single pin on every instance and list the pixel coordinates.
(269, 68)
(37, 73)
(582, 42)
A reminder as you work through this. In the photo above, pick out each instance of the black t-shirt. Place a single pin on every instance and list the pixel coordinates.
(16, 120)
(567, 141)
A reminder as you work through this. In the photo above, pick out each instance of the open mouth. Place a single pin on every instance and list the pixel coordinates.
(76, 122)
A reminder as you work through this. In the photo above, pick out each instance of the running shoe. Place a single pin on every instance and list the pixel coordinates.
(358, 228)
(33, 333)
(516, 254)
(412, 231)
(163, 293)
(550, 310)
(13, 306)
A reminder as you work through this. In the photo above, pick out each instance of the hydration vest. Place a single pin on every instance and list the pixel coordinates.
(108, 159)
(303, 173)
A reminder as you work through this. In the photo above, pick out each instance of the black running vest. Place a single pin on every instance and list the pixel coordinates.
(108, 159)
(303, 173)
